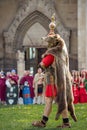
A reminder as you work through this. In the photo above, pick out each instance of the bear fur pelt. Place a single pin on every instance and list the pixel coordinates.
(57, 47)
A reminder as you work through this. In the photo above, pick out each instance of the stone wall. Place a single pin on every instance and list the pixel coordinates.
(8, 10)
(66, 10)
(82, 34)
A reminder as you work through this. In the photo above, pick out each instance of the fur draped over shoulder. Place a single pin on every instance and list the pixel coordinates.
(64, 99)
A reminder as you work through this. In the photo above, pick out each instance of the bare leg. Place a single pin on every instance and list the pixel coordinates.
(47, 111)
(48, 106)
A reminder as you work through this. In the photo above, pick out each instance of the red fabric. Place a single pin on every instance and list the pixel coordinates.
(82, 94)
(2, 88)
(75, 94)
(51, 91)
(14, 78)
(48, 60)
(30, 81)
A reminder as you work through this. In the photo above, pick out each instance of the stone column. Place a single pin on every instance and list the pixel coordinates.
(82, 34)
(66, 36)
(20, 63)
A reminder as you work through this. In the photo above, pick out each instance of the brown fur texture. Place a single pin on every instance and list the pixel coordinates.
(64, 99)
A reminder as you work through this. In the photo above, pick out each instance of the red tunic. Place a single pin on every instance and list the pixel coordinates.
(48, 60)
(51, 91)
(75, 94)
(82, 94)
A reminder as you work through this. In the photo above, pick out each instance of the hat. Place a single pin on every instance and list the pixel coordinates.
(13, 71)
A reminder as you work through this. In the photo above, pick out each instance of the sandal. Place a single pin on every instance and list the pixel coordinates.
(38, 124)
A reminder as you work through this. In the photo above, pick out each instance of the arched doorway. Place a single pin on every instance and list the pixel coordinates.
(28, 39)
(33, 58)
(21, 34)
(33, 46)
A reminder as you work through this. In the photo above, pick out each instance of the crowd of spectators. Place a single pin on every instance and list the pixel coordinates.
(79, 85)
(7, 79)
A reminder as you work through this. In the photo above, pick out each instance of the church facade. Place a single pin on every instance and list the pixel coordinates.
(24, 22)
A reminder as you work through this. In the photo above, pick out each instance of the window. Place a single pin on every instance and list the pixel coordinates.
(31, 71)
(32, 53)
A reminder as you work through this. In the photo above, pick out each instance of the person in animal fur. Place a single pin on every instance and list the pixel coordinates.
(61, 80)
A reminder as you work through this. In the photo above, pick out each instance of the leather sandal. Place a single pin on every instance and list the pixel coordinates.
(38, 124)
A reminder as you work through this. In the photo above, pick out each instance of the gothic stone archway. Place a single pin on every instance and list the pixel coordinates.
(26, 17)
(26, 24)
